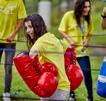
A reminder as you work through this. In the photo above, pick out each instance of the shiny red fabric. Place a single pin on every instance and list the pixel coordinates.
(47, 84)
(41, 81)
(74, 73)
(70, 57)
(75, 76)
(48, 67)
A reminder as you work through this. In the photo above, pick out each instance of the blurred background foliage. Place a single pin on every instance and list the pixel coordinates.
(59, 7)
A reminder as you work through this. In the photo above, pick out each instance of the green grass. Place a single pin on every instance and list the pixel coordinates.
(20, 88)
(96, 63)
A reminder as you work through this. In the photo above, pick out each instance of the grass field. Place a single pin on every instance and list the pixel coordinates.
(21, 91)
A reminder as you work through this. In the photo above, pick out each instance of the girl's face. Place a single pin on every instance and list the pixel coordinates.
(86, 8)
(29, 29)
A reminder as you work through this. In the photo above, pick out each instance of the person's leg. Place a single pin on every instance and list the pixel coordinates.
(1, 51)
(72, 96)
(59, 95)
(9, 54)
(84, 63)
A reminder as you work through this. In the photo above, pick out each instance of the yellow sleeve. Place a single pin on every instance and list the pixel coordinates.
(21, 10)
(64, 23)
(90, 29)
(37, 46)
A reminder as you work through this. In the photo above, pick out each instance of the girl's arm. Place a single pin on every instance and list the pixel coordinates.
(68, 38)
(18, 27)
(32, 53)
(86, 42)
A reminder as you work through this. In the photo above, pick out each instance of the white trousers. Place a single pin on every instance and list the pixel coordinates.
(59, 95)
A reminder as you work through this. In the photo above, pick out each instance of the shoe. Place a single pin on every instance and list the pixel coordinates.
(71, 99)
(6, 97)
(89, 99)
(72, 96)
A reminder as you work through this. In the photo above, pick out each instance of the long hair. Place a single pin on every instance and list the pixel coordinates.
(79, 6)
(39, 27)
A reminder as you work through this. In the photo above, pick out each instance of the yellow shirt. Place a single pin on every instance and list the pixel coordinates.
(69, 25)
(50, 49)
(10, 12)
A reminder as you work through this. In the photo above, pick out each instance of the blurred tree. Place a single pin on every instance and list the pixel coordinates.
(24, 1)
(64, 5)
(31, 6)
(70, 4)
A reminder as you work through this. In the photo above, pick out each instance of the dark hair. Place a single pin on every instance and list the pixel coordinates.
(79, 6)
(39, 27)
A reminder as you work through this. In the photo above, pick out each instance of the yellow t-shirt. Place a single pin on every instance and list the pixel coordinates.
(50, 49)
(69, 25)
(10, 12)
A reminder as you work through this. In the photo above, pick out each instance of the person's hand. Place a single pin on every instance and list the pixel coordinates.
(72, 44)
(85, 43)
(104, 11)
(10, 38)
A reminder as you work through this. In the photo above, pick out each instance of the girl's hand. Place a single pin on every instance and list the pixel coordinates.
(72, 44)
(32, 53)
(85, 43)
(11, 37)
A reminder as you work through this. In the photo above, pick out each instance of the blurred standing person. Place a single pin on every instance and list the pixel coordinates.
(41, 42)
(12, 13)
(76, 28)
(103, 22)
